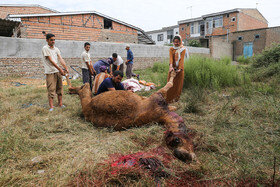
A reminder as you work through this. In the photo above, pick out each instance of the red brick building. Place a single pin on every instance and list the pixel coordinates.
(84, 26)
(7, 9)
(221, 23)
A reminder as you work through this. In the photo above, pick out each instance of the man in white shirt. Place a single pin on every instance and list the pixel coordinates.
(51, 61)
(118, 64)
(87, 69)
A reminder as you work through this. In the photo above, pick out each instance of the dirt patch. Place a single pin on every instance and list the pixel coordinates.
(17, 82)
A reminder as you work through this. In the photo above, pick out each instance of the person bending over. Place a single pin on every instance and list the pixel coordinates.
(111, 84)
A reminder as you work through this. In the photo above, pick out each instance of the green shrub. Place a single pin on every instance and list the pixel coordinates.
(211, 73)
(243, 60)
(267, 57)
(194, 43)
(266, 66)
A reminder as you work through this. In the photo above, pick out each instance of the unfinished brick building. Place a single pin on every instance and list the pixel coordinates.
(221, 23)
(83, 26)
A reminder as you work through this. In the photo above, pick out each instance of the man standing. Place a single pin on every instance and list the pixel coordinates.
(129, 63)
(111, 84)
(105, 62)
(51, 59)
(87, 68)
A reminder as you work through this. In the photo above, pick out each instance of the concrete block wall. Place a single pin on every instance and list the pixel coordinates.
(220, 48)
(79, 27)
(24, 57)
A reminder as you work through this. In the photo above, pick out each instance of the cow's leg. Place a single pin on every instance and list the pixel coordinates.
(169, 85)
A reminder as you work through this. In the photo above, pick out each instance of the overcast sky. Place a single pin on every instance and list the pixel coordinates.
(155, 14)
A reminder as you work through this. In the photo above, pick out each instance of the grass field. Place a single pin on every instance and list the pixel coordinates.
(238, 136)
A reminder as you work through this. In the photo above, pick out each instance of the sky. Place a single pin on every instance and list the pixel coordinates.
(155, 14)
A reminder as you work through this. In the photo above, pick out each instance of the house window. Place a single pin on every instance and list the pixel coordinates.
(218, 22)
(182, 28)
(257, 36)
(107, 24)
(192, 28)
(227, 15)
(188, 24)
(233, 19)
(160, 37)
(240, 38)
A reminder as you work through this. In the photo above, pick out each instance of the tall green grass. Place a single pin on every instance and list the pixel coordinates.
(206, 73)
(210, 73)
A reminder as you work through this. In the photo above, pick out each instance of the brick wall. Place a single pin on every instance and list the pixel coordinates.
(77, 27)
(227, 24)
(247, 22)
(33, 67)
(5, 10)
(249, 36)
(272, 36)
(184, 30)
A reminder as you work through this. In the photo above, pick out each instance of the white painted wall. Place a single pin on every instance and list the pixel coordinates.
(154, 36)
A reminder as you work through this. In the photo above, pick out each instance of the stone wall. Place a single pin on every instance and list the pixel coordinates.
(22, 57)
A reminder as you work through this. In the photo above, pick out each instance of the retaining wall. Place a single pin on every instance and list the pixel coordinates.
(23, 57)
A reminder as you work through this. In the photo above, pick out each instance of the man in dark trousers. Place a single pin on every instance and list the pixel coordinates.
(129, 64)
(87, 68)
(111, 84)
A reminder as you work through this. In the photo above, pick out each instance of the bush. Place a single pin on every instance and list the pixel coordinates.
(194, 43)
(267, 57)
(211, 73)
(267, 64)
(243, 60)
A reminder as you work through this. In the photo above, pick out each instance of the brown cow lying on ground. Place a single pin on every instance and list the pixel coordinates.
(123, 109)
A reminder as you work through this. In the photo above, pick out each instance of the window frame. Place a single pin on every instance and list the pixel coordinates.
(160, 37)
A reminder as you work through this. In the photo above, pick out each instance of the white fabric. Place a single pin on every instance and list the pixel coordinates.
(119, 61)
(85, 58)
(179, 55)
(53, 53)
(187, 54)
(134, 85)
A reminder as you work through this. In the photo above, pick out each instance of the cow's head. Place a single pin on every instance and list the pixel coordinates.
(179, 140)
(82, 91)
